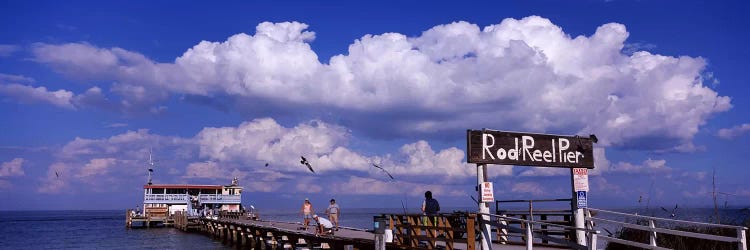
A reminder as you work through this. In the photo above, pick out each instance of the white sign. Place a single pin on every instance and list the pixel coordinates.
(582, 200)
(580, 179)
(487, 193)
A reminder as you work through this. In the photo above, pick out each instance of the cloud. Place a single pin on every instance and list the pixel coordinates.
(736, 131)
(528, 187)
(28, 94)
(325, 147)
(7, 50)
(57, 180)
(601, 184)
(116, 125)
(631, 48)
(522, 74)
(209, 170)
(368, 186)
(93, 97)
(266, 140)
(12, 168)
(648, 166)
(219, 154)
(98, 166)
(6, 78)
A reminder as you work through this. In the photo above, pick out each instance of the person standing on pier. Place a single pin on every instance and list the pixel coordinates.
(430, 207)
(333, 212)
(307, 212)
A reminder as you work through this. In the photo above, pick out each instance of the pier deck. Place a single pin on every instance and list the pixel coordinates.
(242, 232)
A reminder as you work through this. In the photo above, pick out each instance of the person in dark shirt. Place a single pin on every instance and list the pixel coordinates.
(430, 206)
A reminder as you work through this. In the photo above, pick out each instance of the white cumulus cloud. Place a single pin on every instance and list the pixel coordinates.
(28, 94)
(520, 74)
(736, 131)
(12, 168)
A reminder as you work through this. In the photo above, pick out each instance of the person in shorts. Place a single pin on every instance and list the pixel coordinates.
(307, 212)
(334, 211)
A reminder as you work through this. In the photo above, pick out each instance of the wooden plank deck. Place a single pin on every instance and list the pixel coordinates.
(344, 233)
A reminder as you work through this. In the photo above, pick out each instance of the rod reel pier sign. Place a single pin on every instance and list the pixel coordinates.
(527, 149)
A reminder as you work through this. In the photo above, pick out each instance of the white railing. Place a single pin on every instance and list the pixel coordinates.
(220, 198)
(527, 229)
(183, 198)
(165, 198)
(652, 230)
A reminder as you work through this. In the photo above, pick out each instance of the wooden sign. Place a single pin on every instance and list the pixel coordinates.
(526, 149)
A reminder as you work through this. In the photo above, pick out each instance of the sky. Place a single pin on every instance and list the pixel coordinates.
(216, 91)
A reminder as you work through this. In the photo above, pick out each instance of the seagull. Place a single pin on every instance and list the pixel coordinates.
(306, 163)
(386, 172)
(673, 210)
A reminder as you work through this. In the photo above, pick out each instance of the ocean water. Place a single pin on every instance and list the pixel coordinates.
(106, 229)
(90, 230)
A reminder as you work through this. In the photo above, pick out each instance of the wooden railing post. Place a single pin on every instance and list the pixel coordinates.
(742, 238)
(470, 233)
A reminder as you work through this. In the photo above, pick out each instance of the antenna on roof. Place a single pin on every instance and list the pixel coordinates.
(151, 166)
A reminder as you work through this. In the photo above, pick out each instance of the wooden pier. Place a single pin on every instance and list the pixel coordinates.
(147, 220)
(409, 231)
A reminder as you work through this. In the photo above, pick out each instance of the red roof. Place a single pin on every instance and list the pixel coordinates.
(186, 186)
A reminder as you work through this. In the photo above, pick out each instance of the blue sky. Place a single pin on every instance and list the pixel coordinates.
(86, 88)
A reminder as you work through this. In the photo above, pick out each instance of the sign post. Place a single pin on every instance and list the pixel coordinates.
(580, 178)
(484, 207)
(528, 149)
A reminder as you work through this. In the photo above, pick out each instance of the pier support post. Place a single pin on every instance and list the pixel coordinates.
(243, 238)
(233, 236)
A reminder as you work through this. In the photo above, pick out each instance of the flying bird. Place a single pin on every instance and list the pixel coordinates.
(386, 172)
(306, 163)
(671, 214)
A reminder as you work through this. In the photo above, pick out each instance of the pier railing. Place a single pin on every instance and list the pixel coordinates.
(182, 198)
(219, 198)
(538, 211)
(534, 234)
(421, 231)
(231, 215)
(649, 224)
(165, 198)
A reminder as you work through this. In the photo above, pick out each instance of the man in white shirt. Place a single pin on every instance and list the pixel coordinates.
(324, 227)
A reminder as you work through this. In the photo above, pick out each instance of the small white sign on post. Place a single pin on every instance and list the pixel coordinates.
(487, 192)
(580, 179)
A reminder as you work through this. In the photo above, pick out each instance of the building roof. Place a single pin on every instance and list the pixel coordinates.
(186, 186)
